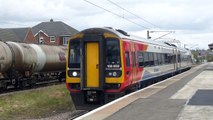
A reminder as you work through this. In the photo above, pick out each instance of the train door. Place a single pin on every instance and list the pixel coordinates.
(92, 64)
(174, 59)
(128, 61)
(179, 59)
(134, 69)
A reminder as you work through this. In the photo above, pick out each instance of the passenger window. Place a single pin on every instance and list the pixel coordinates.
(159, 59)
(166, 58)
(140, 59)
(169, 58)
(179, 60)
(146, 59)
(173, 58)
(127, 59)
(163, 58)
(151, 59)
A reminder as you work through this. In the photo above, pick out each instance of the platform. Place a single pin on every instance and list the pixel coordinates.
(187, 96)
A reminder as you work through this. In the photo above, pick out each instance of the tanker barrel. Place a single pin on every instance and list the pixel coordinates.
(25, 56)
(6, 57)
(32, 57)
(55, 58)
(50, 58)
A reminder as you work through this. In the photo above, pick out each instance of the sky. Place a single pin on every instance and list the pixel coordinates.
(187, 21)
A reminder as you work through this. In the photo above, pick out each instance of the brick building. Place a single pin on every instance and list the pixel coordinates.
(17, 35)
(53, 33)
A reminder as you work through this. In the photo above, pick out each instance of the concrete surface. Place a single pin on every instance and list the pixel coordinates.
(167, 100)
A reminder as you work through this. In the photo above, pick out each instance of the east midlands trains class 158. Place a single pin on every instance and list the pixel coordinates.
(103, 64)
(24, 64)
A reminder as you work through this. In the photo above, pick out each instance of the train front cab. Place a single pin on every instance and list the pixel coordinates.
(94, 69)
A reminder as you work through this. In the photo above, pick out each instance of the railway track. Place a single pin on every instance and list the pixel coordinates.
(77, 114)
(12, 89)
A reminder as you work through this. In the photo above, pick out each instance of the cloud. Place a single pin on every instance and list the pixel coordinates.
(192, 17)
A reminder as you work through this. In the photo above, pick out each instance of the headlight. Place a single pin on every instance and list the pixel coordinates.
(110, 73)
(74, 73)
(113, 73)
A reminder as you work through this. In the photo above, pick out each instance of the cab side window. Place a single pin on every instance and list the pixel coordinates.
(127, 59)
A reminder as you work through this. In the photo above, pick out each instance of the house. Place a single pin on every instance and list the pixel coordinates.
(53, 33)
(17, 35)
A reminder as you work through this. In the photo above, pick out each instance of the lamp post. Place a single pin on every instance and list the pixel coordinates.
(167, 33)
(192, 45)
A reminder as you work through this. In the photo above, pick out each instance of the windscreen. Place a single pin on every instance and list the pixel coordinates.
(74, 54)
(113, 59)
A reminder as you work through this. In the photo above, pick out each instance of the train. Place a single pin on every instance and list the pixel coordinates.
(104, 64)
(23, 64)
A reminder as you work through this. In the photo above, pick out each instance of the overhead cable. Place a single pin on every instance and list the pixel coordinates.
(132, 13)
(116, 14)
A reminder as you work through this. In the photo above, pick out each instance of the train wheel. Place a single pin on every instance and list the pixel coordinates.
(3, 86)
(138, 86)
(1, 89)
(21, 85)
(61, 76)
(32, 83)
(59, 79)
(16, 84)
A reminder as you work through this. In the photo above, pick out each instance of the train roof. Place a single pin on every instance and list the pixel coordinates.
(124, 35)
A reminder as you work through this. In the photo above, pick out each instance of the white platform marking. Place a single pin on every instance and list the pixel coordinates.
(203, 81)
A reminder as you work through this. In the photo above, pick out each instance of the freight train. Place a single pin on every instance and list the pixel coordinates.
(104, 64)
(24, 64)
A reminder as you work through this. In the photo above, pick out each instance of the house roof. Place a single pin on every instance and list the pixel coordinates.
(54, 28)
(13, 34)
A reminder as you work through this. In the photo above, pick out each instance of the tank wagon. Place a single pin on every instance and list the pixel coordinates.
(24, 64)
(104, 64)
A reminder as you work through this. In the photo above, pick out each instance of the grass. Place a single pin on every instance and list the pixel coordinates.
(37, 103)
